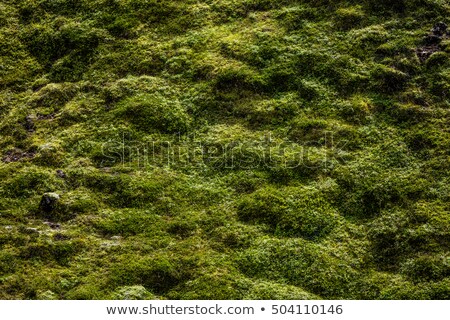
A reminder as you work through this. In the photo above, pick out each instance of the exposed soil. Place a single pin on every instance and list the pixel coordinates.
(17, 155)
(432, 41)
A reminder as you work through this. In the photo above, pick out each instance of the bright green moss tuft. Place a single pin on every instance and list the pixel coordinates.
(155, 112)
(350, 17)
(294, 212)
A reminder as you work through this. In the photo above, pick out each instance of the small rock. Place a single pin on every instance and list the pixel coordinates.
(29, 124)
(8, 227)
(116, 237)
(436, 35)
(432, 41)
(53, 225)
(425, 52)
(49, 201)
(61, 174)
(439, 29)
(17, 155)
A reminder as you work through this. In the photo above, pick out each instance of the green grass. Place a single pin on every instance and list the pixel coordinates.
(230, 149)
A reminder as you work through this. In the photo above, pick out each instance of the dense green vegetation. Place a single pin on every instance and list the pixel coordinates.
(159, 125)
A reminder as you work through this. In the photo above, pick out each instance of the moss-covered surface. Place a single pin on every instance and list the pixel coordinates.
(155, 124)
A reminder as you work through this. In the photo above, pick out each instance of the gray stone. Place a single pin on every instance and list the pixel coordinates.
(61, 174)
(53, 225)
(49, 202)
(439, 29)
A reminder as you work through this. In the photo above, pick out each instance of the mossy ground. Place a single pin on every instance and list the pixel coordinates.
(365, 216)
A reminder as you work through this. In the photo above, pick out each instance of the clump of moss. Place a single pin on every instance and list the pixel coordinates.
(155, 112)
(129, 222)
(137, 292)
(389, 79)
(427, 268)
(297, 263)
(292, 213)
(349, 17)
(157, 274)
(437, 59)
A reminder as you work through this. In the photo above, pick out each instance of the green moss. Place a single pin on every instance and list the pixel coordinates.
(215, 286)
(49, 42)
(46, 250)
(437, 59)
(8, 263)
(351, 205)
(266, 205)
(129, 222)
(122, 190)
(265, 290)
(311, 218)
(156, 274)
(357, 110)
(47, 295)
(291, 212)
(149, 112)
(294, 18)
(389, 79)
(31, 181)
(53, 96)
(298, 263)
(426, 268)
(79, 201)
(350, 17)
(417, 233)
(132, 293)
(50, 154)
(84, 292)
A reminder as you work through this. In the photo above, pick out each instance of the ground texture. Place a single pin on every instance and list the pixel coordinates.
(224, 149)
